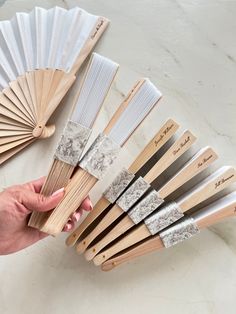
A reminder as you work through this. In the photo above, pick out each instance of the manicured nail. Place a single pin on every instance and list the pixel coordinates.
(68, 227)
(60, 191)
(77, 216)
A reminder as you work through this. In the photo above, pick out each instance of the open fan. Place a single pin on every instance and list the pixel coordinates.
(40, 53)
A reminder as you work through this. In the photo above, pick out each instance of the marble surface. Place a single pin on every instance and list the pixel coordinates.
(188, 49)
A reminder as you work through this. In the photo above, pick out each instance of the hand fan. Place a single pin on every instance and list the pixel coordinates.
(142, 98)
(95, 85)
(40, 53)
(136, 191)
(181, 231)
(124, 178)
(163, 218)
(154, 199)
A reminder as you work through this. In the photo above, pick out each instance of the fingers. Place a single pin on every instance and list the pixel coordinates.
(87, 204)
(75, 217)
(35, 185)
(38, 202)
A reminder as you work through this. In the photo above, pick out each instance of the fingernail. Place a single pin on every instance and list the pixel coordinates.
(90, 206)
(68, 227)
(60, 191)
(77, 216)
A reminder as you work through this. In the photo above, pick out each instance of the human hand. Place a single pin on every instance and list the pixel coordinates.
(16, 205)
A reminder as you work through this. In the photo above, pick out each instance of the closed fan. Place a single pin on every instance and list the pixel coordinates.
(40, 53)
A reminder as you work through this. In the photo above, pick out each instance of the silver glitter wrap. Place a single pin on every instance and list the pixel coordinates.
(163, 218)
(72, 143)
(179, 232)
(100, 156)
(145, 207)
(118, 185)
(133, 194)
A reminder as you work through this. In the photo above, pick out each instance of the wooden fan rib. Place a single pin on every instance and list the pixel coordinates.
(5, 111)
(4, 120)
(22, 81)
(62, 89)
(13, 151)
(9, 127)
(9, 139)
(13, 144)
(9, 93)
(47, 84)
(15, 86)
(11, 106)
(30, 79)
(56, 79)
(38, 87)
(93, 38)
(10, 133)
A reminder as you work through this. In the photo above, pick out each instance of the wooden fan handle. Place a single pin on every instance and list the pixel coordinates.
(209, 187)
(100, 206)
(143, 248)
(112, 215)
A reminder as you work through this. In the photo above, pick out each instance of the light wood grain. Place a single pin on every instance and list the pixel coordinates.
(112, 215)
(90, 43)
(197, 164)
(138, 234)
(150, 245)
(158, 141)
(76, 191)
(178, 148)
(173, 153)
(219, 180)
(22, 82)
(30, 79)
(10, 145)
(21, 95)
(59, 93)
(161, 137)
(98, 208)
(205, 217)
(58, 177)
(9, 109)
(123, 106)
(125, 224)
(209, 187)
(21, 105)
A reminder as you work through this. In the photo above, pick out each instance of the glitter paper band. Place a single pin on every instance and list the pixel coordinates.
(163, 218)
(72, 143)
(120, 183)
(179, 232)
(100, 156)
(145, 207)
(133, 193)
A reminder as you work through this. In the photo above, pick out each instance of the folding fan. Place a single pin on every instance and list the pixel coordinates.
(40, 53)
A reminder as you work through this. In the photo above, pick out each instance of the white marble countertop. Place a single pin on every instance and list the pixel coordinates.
(188, 49)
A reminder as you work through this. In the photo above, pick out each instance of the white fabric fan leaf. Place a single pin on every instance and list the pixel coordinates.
(39, 24)
(22, 22)
(58, 23)
(8, 36)
(7, 68)
(40, 53)
(84, 23)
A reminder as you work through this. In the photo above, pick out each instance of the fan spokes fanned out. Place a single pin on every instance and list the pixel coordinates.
(40, 53)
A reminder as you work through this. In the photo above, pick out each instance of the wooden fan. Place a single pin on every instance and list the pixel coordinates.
(142, 98)
(188, 227)
(161, 219)
(40, 53)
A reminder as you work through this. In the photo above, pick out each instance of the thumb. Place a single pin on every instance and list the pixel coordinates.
(40, 203)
